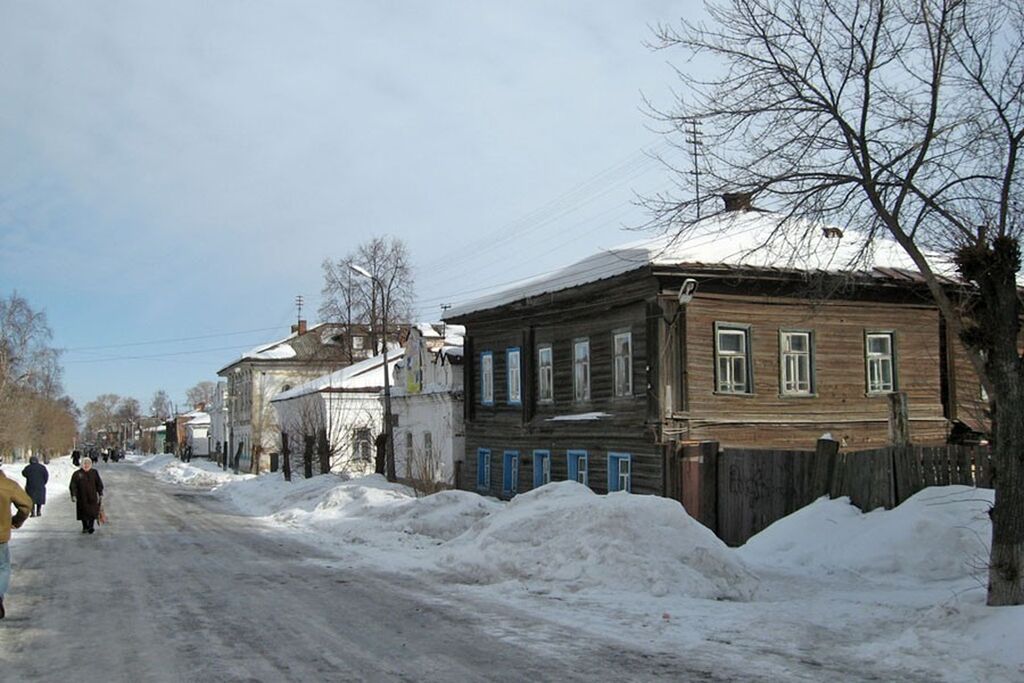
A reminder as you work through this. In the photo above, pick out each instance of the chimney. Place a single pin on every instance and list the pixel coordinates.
(738, 201)
(300, 328)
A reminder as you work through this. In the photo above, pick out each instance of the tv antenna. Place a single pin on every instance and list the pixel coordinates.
(298, 306)
(444, 325)
(693, 135)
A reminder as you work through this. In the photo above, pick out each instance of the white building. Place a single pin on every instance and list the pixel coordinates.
(427, 401)
(345, 405)
(218, 410)
(264, 372)
(197, 433)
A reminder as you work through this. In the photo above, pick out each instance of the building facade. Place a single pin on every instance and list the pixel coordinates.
(427, 401)
(601, 372)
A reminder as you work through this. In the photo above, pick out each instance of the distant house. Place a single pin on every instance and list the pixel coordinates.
(343, 408)
(267, 370)
(218, 410)
(427, 404)
(600, 371)
(197, 432)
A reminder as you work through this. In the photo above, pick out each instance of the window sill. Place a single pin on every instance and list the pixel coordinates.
(799, 396)
(733, 393)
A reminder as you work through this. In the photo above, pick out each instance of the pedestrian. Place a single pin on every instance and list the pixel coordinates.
(87, 492)
(36, 475)
(76, 457)
(106, 454)
(10, 494)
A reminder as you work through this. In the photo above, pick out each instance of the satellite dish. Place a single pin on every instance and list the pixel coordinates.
(687, 291)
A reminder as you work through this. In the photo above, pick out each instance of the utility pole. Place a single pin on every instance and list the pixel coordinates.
(444, 326)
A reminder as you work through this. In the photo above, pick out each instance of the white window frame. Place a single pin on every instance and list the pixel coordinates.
(483, 477)
(726, 381)
(624, 475)
(544, 457)
(514, 376)
(582, 473)
(358, 342)
(581, 372)
(623, 365)
(510, 487)
(545, 374)
(487, 378)
(790, 360)
(875, 362)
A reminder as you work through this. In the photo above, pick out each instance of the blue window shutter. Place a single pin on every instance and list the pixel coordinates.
(541, 462)
(483, 468)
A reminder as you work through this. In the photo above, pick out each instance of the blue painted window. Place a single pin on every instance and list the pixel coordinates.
(483, 468)
(514, 378)
(541, 468)
(577, 465)
(510, 476)
(487, 378)
(619, 471)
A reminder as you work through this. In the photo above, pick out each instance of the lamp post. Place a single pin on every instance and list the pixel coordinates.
(389, 437)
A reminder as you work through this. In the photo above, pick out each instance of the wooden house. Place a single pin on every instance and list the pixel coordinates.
(601, 371)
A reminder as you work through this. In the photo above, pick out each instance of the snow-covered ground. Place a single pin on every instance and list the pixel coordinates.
(827, 590)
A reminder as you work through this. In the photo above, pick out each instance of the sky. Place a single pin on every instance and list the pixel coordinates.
(176, 172)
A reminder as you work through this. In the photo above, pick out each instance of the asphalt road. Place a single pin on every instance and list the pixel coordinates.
(177, 588)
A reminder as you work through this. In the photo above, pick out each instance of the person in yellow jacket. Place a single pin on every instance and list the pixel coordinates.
(10, 494)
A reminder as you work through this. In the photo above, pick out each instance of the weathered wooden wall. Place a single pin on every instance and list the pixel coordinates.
(840, 403)
(594, 312)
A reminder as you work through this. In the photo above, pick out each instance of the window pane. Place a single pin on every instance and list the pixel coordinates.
(878, 344)
(730, 341)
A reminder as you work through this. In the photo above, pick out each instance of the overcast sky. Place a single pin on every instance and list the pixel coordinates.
(180, 169)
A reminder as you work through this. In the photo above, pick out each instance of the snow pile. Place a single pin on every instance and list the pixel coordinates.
(359, 509)
(566, 535)
(201, 474)
(940, 533)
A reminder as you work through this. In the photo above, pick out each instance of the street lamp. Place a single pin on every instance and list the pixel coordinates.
(389, 437)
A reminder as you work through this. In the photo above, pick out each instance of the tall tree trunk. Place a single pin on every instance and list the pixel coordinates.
(1006, 564)
(996, 310)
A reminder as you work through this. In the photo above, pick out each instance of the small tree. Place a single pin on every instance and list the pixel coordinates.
(904, 118)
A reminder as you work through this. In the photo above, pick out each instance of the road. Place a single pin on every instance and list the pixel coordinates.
(177, 588)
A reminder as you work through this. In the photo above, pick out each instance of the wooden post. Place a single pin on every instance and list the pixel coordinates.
(709, 485)
(824, 467)
(899, 421)
(323, 451)
(286, 464)
(307, 456)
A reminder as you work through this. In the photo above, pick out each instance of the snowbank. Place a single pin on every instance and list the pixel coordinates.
(202, 474)
(941, 533)
(566, 535)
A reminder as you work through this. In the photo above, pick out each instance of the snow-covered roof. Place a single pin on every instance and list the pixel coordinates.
(735, 238)
(366, 374)
(200, 419)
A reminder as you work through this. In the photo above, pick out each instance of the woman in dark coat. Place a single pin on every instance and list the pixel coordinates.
(87, 492)
(36, 475)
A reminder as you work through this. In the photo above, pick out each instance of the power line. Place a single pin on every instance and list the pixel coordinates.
(158, 356)
(169, 341)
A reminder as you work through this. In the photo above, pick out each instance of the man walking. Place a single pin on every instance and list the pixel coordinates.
(10, 494)
(36, 475)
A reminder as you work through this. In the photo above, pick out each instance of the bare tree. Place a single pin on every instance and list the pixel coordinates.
(100, 414)
(904, 118)
(160, 406)
(383, 301)
(202, 393)
(350, 299)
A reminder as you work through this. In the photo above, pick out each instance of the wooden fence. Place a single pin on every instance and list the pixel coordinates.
(738, 492)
